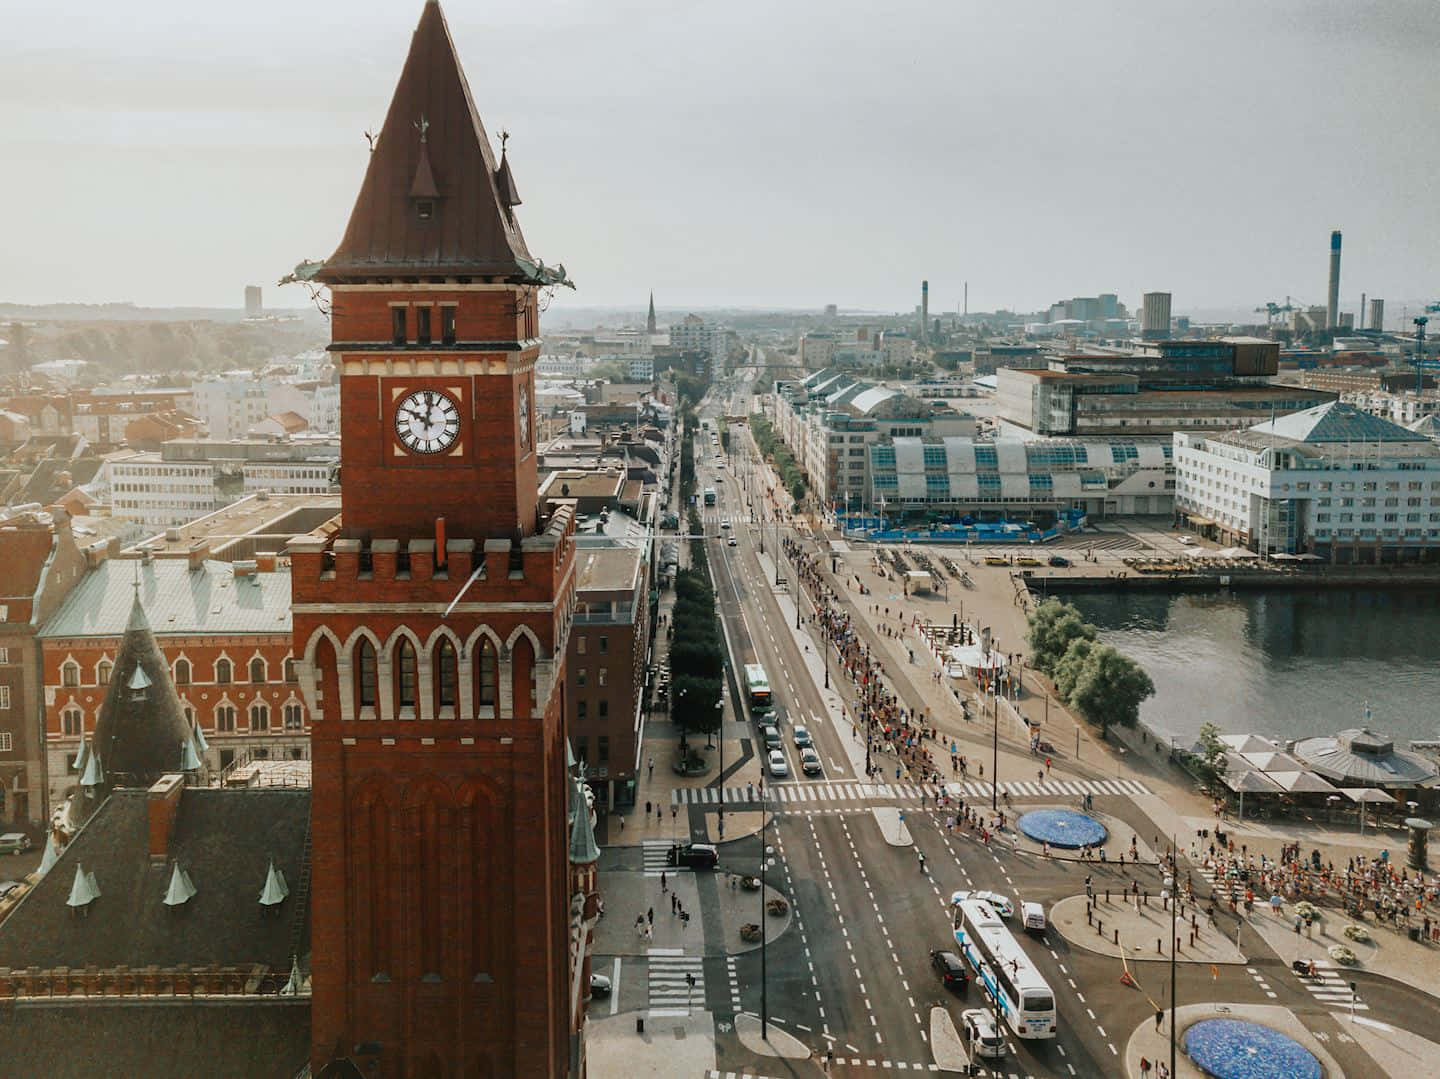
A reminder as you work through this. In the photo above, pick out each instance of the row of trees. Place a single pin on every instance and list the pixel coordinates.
(697, 664)
(1101, 683)
(791, 475)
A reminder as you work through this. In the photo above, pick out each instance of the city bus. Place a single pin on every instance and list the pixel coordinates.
(757, 689)
(1023, 997)
(709, 496)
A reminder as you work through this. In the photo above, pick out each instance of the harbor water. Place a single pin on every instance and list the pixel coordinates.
(1283, 664)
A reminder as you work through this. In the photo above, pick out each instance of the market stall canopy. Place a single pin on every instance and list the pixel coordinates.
(1251, 783)
(1272, 761)
(1247, 743)
(1298, 782)
(1368, 796)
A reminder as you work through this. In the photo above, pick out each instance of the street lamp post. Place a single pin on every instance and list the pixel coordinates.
(764, 976)
(720, 709)
(995, 759)
(1174, 901)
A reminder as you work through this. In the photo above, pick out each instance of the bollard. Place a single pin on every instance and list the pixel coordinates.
(1145, 898)
(639, 1024)
(1089, 915)
(1107, 895)
(1099, 928)
(1192, 938)
(1158, 950)
(1117, 936)
(1177, 944)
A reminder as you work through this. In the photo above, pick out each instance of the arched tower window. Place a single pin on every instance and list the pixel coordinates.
(223, 672)
(367, 679)
(257, 670)
(406, 674)
(447, 677)
(182, 672)
(487, 671)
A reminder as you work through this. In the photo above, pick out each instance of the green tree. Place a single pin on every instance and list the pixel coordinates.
(1067, 671)
(1210, 760)
(1110, 688)
(1053, 626)
(693, 709)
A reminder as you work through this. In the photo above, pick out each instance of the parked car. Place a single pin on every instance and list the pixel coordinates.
(693, 855)
(977, 1027)
(14, 843)
(777, 764)
(8, 886)
(951, 969)
(770, 735)
(600, 985)
(1059, 560)
(802, 738)
(810, 762)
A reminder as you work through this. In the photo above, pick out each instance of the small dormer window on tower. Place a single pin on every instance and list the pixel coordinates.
(425, 209)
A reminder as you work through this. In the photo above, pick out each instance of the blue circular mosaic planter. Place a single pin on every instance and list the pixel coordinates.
(1063, 828)
(1235, 1049)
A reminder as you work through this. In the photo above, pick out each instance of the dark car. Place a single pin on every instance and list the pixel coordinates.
(693, 856)
(1059, 560)
(951, 970)
(770, 735)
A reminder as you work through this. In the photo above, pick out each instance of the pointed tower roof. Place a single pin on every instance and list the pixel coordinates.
(650, 319)
(583, 848)
(433, 200)
(141, 724)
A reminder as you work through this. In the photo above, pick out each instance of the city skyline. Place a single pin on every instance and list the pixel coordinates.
(823, 160)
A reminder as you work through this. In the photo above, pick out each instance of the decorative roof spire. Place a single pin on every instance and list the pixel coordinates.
(275, 890)
(94, 774)
(432, 204)
(83, 757)
(83, 890)
(189, 761)
(583, 848)
(181, 889)
(296, 981)
(51, 855)
(504, 182)
(650, 319)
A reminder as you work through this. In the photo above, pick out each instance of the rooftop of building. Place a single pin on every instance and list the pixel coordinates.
(262, 520)
(209, 599)
(607, 569)
(583, 483)
(224, 841)
(1334, 422)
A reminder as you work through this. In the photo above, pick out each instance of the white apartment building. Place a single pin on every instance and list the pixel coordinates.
(291, 477)
(816, 350)
(325, 408)
(694, 334)
(230, 405)
(1333, 481)
(1404, 408)
(161, 493)
(642, 369)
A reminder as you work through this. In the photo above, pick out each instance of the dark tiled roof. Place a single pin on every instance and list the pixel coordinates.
(471, 230)
(158, 1039)
(224, 839)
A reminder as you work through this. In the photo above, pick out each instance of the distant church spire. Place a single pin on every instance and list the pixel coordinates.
(650, 321)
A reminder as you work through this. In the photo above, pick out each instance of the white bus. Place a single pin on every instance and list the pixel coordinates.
(757, 689)
(1025, 999)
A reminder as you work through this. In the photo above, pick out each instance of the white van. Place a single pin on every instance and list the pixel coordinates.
(1032, 916)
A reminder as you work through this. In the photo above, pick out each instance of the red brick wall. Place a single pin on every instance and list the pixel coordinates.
(485, 486)
(203, 694)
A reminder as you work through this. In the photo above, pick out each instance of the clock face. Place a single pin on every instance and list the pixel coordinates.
(524, 417)
(427, 421)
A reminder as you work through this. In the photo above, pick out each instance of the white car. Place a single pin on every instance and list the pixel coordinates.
(1002, 906)
(725, 523)
(1187, 540)
(777, 764)
(977, 1026)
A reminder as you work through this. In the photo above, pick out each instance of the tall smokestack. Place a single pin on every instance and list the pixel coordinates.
(1361, 319)
(1333, 314)
(924, 311)
(967, 297)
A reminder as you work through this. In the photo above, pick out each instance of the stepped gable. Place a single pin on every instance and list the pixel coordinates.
(141, 730)
(433, 201)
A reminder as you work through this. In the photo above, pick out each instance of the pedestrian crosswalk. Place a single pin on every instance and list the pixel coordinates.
(677, 982)
(839, 791)
(655, 852)
(1330, 989)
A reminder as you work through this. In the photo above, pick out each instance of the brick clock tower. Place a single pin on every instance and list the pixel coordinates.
(433, 625)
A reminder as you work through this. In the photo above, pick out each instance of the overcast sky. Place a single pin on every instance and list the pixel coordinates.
(784, 152)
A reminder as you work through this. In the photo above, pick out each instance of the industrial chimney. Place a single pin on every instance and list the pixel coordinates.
(924, 311)
(1332, 318)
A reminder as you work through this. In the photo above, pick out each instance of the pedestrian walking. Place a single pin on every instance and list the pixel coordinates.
(659, 815)
(651, 766)
(662, 882)
(647, 808)
(1144, 1065)
(673, 810)
(1159, 1018)
(650, 915)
